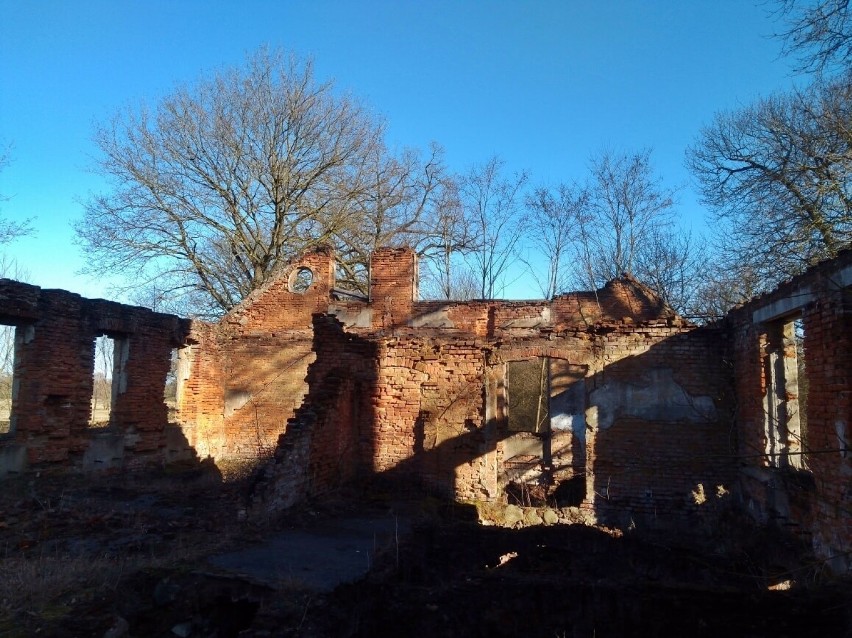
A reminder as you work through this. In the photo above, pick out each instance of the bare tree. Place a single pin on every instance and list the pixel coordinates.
(10, 230)
(627, 204)
(819, 33)
(491, 204)
(224, 180)
(552, 228)
(723, 285)
(673, 263)
(395, 198)
(778, 175)
(459, 283)
(451, 236)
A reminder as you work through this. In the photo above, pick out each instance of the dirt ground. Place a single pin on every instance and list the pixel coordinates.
(127, 555)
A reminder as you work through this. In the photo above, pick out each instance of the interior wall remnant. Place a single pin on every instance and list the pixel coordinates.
(794, 468)
(437, 380)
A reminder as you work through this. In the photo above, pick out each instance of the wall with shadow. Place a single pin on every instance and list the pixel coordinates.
(328, 444)
(800, 477)
(428, 412)
(661, 442)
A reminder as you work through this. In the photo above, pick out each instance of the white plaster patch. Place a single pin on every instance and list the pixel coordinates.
(436, 319)
(352, 317)
(234, 400)
(542, 319)
(657, 397)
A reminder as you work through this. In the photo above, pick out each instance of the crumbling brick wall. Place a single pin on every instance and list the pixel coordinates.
(795, 461)
(248, 370)
(434, 379)
(55, 354)
(327, 442)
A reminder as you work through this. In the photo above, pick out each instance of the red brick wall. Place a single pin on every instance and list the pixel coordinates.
(393, 286)
(419, 395)
(274, 307)
(811, 500)
(201, 391)
(248, 371)
(55, 377)
(326, 443)
(433, 415)
(670, 430)
(429, 408)
(828, 354)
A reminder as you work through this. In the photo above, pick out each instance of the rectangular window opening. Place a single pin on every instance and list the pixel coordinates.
(109, 378)
(8, 356)
(170, 391)
(786, 394)
(529, 392)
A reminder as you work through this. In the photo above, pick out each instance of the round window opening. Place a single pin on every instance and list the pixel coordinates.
(301, 280)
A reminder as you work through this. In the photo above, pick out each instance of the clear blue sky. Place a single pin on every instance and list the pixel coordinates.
(542, 83)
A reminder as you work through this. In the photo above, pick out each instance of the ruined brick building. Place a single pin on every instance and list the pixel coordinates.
(605, 400)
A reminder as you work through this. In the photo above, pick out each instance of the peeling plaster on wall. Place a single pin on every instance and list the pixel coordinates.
(542, 319)
(657, 397)
(352, 317)
(234, 400)
(437, 319)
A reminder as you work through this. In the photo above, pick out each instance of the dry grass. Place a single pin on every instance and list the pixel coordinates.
(31, 583)
(69, 543)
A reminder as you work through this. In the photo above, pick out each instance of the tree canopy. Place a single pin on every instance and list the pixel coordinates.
(221, 182)
(819, 33)
(224, 180)
(778, 175)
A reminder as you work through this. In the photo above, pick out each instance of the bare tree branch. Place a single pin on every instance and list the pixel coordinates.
(11, 230)
(226, 179)
(491, 204)
(778, 175)
(552, 228)
(627, 203)
(819, 33)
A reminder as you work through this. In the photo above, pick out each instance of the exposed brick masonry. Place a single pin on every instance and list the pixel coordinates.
(54, 377)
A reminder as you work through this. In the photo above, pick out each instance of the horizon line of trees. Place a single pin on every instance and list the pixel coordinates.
(222, 181)
(219, 183)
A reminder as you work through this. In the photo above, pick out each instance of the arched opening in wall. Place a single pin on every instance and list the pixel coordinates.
(301, 279)
(108, 377)
(170, 389)
(10, 339)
